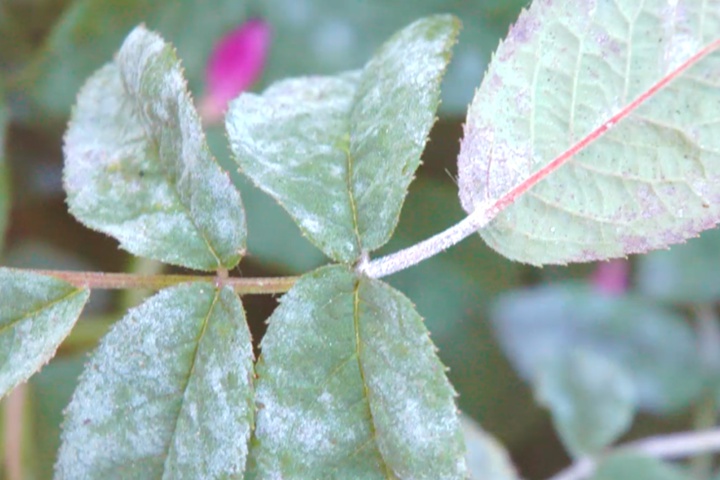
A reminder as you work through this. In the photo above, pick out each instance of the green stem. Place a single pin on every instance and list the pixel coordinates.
(116, 281)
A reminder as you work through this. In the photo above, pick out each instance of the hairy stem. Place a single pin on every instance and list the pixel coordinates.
(673, 446)
(485, 212)
(115, 281)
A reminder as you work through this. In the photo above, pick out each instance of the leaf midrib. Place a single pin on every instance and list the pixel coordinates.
(37, 311)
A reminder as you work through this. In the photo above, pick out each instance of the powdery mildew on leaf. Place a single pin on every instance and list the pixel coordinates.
(374, 404)
(36, 315)
(340, 152)
(564, 70)
(138, 168)
(168, 394)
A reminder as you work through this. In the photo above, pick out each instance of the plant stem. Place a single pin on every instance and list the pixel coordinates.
(13, 412)
(673, 446)
(415, 254)
(115, 281)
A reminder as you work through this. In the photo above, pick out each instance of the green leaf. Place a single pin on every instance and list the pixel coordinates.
(349, 387)
(592, 399)
(89, 32)
(333, 151)
(632, 466)
(564, 72)
(138, 167)
(486, 458)
(167, 394)
(36, 313)
(4, 183)
(685, 273)
(654, 346)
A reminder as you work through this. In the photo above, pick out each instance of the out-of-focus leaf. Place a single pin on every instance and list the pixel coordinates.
(339, 152)
(89, 32)
(654, 346)
(138, 167)
(328, 36)
(36, 313)
(685, 273)
(349, 387)
(167, 394)
(630, 466)
(485, 457)
(452, 292)
(591, 398)
(561, 73)
(50, 392)
(4, 183)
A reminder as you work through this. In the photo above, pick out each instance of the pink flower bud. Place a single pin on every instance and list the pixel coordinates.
(611, 277)
(236, 62)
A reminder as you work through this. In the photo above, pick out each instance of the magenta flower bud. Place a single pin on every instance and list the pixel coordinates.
(612, 277)
(236, 62)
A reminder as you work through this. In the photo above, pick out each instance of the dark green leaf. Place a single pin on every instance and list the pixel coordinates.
(36, 313)
(138, 167)
(591, 398)
(349, 387)
(686, 273)
(339, 152)
(655, 347)
(168, 394)
(89, 32)
(630, 466)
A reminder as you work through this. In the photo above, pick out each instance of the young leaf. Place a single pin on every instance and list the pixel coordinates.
(374, 404)
(632, 466)
(168, 394)
(37, 312)
(566, 77)
(654, 346)
(138, 167)
(339, 152)
(591, 398)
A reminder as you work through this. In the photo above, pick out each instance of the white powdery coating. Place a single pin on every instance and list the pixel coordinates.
(138, 167)
(345, 414)
(36, 315)
(561, 73)
(167, 394)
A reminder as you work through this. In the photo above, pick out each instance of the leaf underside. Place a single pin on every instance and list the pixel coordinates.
(340, 152)
(349, 386)
(36, 314)
(563, 72)
(138, 168)
(168, 394)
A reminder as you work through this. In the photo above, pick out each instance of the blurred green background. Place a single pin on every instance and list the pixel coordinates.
(49, 47)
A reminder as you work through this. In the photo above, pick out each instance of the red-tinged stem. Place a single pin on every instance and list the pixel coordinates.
(115, 281)
(483, 214)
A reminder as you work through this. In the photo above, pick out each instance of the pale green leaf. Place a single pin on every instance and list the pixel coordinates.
(349, 387)
(654, 346)
(566, 70)
(339, 152)
(36, 313)
(486, 457)
(631, 466)
(591, 398)
(168, 394)
(685, 274)
(138, 167)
